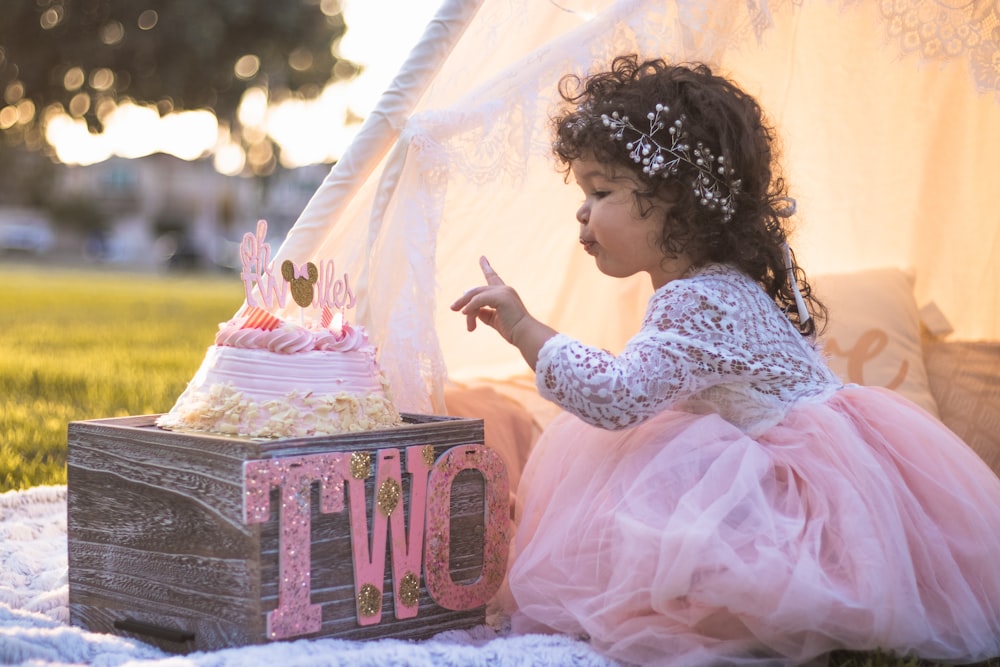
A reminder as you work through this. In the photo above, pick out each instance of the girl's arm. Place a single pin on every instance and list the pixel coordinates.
(692, 338)
(499, 306)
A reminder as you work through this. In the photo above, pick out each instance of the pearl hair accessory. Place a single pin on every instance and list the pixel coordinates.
(663, 147)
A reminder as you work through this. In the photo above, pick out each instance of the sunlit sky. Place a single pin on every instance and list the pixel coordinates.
(308, 132)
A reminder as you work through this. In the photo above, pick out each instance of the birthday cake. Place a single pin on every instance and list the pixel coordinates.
(268, 376)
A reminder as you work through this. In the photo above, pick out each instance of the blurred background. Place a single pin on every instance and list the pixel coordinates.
(152, 135)
(139, 141)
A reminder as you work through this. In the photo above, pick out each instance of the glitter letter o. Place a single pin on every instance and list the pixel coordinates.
(437, 573)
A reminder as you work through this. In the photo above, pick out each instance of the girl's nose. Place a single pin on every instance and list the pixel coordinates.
(583, 213)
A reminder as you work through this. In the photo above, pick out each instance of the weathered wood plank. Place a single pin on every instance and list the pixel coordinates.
(226, 575)
(203, 631)
(105, 508)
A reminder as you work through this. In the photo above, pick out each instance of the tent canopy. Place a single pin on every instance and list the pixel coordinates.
(889, 126)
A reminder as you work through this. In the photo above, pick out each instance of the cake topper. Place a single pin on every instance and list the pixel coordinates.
(311, 286)
(302, 280)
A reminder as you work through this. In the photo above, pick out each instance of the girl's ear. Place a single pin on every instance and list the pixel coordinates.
(648, 204)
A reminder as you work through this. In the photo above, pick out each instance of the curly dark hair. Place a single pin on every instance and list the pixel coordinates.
(724, 118)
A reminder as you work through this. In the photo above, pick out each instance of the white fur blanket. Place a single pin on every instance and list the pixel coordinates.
(35, 630)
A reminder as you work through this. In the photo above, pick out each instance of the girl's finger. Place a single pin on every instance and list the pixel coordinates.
(475, 313)
(491, 276)
(464, 299)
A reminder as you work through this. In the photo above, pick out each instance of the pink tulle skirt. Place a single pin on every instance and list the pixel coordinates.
(857, 523)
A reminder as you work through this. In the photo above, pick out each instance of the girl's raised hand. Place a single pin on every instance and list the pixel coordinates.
(498, 305)
(494, 304)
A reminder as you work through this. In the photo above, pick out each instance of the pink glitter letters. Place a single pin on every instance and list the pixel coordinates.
(387, 511)
(293, 476)
(437, 547)
(429, 514)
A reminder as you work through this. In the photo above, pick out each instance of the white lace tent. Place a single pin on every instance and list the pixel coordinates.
(890, 126)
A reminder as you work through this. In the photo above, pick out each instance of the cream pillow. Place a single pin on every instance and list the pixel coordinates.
(872, 336)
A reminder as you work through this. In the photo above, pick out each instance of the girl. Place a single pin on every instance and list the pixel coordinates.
(713, 494)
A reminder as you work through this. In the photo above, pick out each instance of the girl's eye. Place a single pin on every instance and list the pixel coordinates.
(600, 194)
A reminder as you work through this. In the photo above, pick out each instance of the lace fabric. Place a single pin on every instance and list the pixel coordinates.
(713, 342)
(939, 30)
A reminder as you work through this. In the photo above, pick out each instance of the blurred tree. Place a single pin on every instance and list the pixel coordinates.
(85, 56)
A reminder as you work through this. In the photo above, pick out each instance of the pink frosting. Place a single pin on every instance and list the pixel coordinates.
(350, 338)
(233, 336)
(291, 338)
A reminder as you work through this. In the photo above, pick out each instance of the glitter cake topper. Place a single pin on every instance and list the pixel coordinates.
(311, 286)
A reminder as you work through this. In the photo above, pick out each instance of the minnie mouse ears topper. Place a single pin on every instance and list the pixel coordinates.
(311, 286)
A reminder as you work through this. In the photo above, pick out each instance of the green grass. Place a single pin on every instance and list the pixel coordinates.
(87, 344)
(84, 345)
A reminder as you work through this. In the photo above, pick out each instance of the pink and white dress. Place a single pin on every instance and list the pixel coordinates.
(714, 495)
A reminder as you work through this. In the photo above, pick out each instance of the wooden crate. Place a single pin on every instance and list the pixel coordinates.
(195, 542)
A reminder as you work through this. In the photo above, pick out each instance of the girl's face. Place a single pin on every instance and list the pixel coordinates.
(613, 231)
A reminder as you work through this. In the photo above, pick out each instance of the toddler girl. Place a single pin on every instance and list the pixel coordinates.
(713, 494)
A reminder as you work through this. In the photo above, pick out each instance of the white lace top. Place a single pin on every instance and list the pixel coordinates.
(711, 342)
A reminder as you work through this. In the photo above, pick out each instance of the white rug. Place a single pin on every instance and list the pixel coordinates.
(35, 630)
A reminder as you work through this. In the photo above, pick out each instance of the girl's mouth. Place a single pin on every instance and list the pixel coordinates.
(589, 246)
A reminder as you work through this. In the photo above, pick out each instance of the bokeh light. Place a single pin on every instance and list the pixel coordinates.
(307, 131)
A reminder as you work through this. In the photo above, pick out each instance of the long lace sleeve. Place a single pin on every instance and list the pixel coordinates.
(716, 340)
